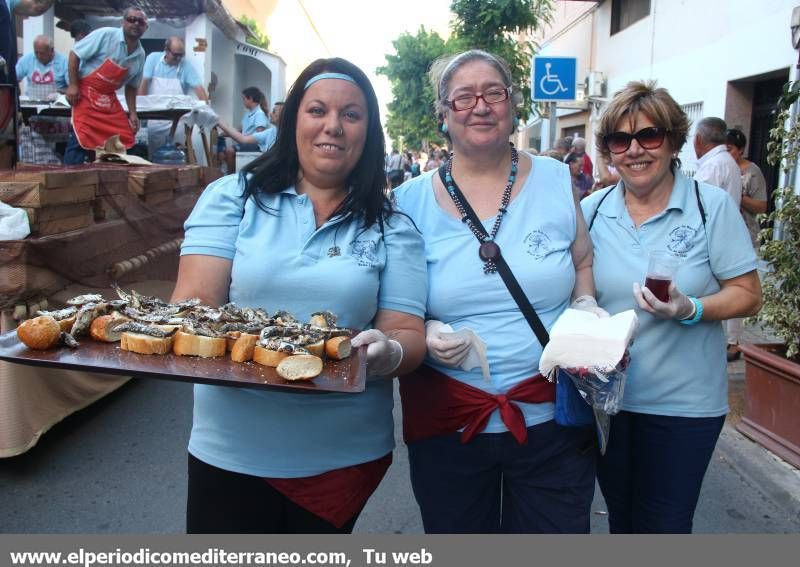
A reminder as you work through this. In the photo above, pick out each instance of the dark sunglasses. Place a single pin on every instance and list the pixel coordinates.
(176, 55)
(648, 138)
(135, 20)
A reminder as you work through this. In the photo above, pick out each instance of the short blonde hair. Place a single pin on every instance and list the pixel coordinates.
(655, 103)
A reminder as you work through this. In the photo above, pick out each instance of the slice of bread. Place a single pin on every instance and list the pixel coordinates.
(300, 367)
(146, 344)
(244, 347)
(338, 348)
(40, 333)
(317, 348)
(230, 339)
(267, 357)
(103, 328)
(197, 345)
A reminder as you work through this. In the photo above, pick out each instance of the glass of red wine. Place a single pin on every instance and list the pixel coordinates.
(661, 269)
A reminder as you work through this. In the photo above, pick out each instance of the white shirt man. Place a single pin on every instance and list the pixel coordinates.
(715, 165)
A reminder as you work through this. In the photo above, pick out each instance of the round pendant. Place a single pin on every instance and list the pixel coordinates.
(489, 250)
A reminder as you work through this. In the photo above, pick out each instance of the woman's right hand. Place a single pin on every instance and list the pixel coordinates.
(678, 307)
(448, 351)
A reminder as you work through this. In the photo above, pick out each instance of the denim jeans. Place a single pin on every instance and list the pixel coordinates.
(495, 485)
(653, 469)
(74, 154)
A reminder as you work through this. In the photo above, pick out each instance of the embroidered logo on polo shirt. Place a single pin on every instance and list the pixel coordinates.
(365, 252)
(681, 239)
(538, 244)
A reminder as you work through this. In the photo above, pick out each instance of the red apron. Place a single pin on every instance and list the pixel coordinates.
(98, 114)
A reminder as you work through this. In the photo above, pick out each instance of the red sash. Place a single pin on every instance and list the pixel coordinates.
(436, 404)
(98, 114)
(335, 496)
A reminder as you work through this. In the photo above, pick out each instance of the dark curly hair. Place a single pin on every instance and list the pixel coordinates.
(279, 167)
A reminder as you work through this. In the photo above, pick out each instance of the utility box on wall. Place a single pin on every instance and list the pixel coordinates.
(595, 84)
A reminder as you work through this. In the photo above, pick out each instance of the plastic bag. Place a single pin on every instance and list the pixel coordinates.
(602, 389)
(13, 223)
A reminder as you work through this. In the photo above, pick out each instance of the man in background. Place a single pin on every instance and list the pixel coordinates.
(79, 29)
(105, 60)
(44, 71)
(168, 73)
(8, 74)
(716, 166)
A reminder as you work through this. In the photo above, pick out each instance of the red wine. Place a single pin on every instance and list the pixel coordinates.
(659, 287)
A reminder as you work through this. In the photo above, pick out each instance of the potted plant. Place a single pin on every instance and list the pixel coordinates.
(772, 372)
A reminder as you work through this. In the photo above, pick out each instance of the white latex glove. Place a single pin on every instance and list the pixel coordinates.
(588, 303)
(384, 355)
(678, 307)
(450, 351)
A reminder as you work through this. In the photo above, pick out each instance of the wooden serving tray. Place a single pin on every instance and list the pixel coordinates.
(347, 376)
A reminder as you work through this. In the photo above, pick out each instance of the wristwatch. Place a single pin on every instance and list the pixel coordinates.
(695, 317)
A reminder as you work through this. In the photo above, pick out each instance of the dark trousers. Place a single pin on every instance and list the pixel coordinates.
(225, 502)
(74, 154)
(653, 469)
(495, 485)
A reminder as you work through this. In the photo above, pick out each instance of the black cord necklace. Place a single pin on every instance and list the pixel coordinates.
(488, 250)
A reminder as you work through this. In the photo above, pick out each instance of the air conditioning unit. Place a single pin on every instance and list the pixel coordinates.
(595, 84)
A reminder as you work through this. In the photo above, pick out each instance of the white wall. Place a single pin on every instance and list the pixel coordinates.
(694, 47)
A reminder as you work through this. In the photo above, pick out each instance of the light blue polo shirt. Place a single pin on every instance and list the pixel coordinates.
(156, 66)
(675, 369)
(266, 138)
(29, 65)
(280, 261)
(535, 236)
(253, 119)
(109, 43)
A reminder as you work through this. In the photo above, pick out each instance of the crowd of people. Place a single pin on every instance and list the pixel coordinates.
(418, 263)
(107, 60)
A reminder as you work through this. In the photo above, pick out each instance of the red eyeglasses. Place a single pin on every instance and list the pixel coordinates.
(649, 138)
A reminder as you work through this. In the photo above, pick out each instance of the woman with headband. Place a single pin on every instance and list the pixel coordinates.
(306, 227)
(485, 453)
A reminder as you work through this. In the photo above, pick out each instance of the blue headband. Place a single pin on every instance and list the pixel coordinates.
(321, 76)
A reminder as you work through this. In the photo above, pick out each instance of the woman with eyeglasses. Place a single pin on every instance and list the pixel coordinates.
(484, 451)
(676, 395)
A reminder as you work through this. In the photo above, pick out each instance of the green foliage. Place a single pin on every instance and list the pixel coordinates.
(411, 115)
(492, 25)
(781, 286)
(257, 37)
(496, 26)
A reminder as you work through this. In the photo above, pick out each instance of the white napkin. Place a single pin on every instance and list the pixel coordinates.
(580, 339)
(476, 357)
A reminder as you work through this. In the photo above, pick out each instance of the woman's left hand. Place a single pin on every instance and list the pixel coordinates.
(384, 355)
(678, 307)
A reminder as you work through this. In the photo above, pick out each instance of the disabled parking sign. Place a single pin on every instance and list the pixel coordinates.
(554, 78)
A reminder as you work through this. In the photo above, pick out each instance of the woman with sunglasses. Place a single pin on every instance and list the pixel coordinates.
(484, 451)
(676, 392)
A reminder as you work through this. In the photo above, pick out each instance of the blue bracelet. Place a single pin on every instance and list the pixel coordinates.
(698, 312)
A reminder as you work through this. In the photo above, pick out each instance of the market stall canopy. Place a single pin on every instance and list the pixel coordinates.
(69, 10)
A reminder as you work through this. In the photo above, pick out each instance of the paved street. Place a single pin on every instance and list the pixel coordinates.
(119, 467)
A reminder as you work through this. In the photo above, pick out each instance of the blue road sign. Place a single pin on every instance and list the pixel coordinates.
(554, 78)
